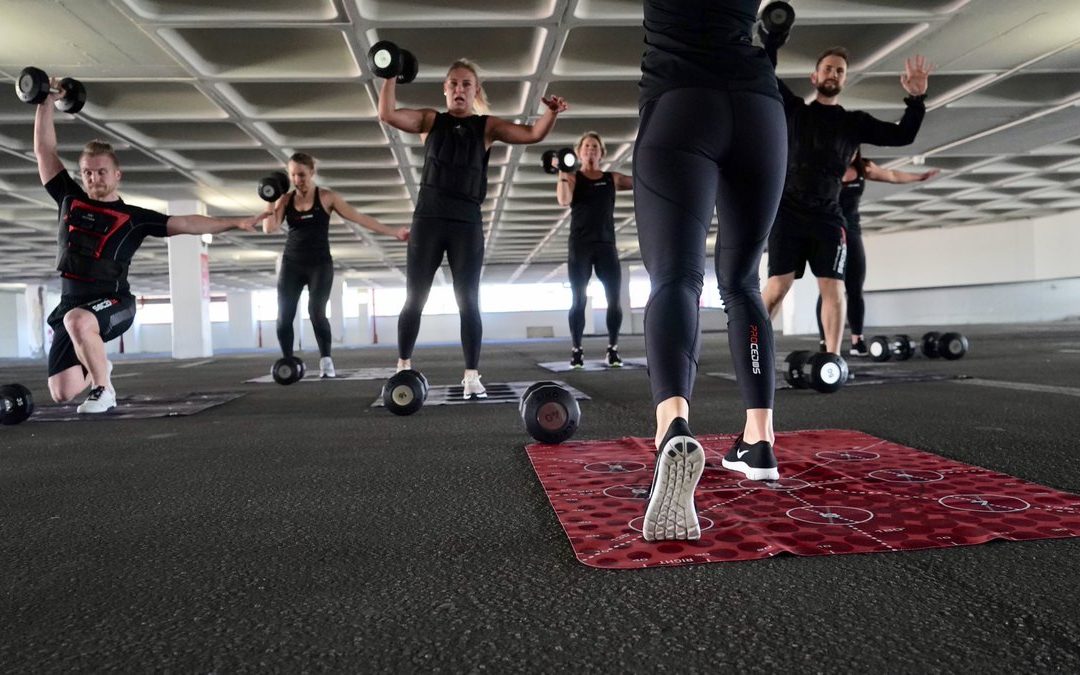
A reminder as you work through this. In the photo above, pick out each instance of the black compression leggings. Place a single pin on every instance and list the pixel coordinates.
(463, 244)
(854, 278)
(700, 150)
(583, 257)
(319, 278)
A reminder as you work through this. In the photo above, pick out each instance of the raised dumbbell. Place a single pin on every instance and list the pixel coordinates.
(775, 24)
(405, 392)
(554, 161)
(387, 60)
(16, 404)
(820, 371)
(273, 186)
(885, 347)
(287, 370)
(32, 86)
(551, 413)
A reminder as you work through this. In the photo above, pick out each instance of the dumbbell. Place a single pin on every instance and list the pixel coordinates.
(16, 404)
(950, 346)
(388, 60)
(775, 24)
(565, 160)
(551, 413)
(405, 392)
(820, 371)
(33, 87)
(882, 348)
(273, 186)
(287, 370)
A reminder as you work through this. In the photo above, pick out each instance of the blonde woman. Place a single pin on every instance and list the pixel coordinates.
(453, 185)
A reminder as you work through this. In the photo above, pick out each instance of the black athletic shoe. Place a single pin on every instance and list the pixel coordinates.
(613, 359)
(679, 465)
(577, 358)
(756, 462)
(859, 348)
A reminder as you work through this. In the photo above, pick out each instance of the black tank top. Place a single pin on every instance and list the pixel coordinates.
(309, 232)
(453, 184)
(703, 43)
(592, 209)
(850, 195)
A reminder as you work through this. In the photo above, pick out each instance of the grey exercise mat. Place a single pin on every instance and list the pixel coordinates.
(343, 375)
(864, 376)
(139, 407)
(497, 392)
(593, 365)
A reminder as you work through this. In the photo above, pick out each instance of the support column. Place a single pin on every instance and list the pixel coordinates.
(798, 311)
(242, 329)
(590, 320)
(337, 310)
(14, 326)
(624, 300)
(35, 311)
(189, 288)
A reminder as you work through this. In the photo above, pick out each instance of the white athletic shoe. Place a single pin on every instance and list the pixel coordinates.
(472, 388)
(326, 367)
(679, 464)
(100, 400)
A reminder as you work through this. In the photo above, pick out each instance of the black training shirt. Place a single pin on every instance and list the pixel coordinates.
(702, 43)
(133, 224)
(309, 232)
(592, 209)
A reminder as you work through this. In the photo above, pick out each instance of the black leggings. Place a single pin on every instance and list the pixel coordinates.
(854, 277)
(319, 278)
(463, 244)
(605, 257)
(698, 150)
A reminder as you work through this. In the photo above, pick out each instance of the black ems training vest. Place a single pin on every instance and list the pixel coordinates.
(88, 229)
(592, 209)
(453, 184)
(850, 195)
(309, 232)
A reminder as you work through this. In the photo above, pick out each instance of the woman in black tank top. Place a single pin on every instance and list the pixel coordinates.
(306, 260)
(852, 186)
(590, 194)
(453, 187)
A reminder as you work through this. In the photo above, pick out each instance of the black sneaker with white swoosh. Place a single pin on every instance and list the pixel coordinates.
(756, 461)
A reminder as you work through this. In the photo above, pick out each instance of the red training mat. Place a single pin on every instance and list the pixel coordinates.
(839, 492)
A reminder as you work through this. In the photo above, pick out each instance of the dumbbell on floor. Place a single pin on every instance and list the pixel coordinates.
(16, 404)
(554, 161)
(273, 186)
(950, 345)
(551, 413)
(387, 60)
(287, 370)
(33, 87)
(884, 347)
(820, 371)
(405, 392)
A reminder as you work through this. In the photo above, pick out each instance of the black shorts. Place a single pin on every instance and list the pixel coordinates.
(789, 252)
(115, 314)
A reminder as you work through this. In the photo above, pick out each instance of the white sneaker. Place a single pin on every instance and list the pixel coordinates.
(326, 367)
(473, 388)
(100, 400)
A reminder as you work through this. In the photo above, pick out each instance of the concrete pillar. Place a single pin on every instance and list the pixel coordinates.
(35, 312)
(590, 320)
(242, 329)
(798, 312)
(189, 288)
(14, 326)
(624, 300)
(337, 310)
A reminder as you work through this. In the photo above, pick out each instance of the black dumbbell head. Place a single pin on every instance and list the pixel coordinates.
(410, 67)
(952, 346)
(273, 186)
(901, 347)
(16, 404)
(404, 393)
(567, 160)
(878, 348)
(550, 413)
(385, 59)
(32, 86)
(74, 97)
(929, 344)
(532, 387)
(793, 369)
(778, 17)
(287, 370)
(828, 372)
(547, 162)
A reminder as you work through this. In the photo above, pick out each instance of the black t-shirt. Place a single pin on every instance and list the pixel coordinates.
(453, 183)
(97, 239)
(592, 209)
(850, 195)
(821, 142)
(309, 232)
(702, 43)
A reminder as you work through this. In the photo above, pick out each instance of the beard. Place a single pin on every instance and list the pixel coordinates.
(829, 88)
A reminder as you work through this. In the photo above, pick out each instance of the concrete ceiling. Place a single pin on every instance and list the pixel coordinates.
(203, 97)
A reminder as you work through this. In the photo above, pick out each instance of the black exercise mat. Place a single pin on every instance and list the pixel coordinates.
(343, 375)
(138, 407)
(593, 365)
(497, 392)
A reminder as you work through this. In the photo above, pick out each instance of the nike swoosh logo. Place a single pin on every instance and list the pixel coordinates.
(740, 453)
